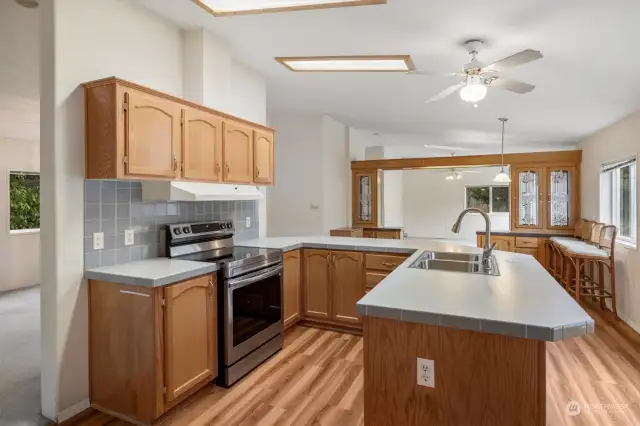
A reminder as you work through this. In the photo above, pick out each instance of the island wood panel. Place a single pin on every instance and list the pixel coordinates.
(317, 284)
(347, 285)
(190, 335)
(292, 286)
(126, 374)
(491, 380)
(202, 146)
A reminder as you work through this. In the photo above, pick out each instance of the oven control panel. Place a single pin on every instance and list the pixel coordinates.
(189, 230)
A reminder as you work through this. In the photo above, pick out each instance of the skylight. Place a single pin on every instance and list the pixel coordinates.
(390, 63)
(236, 7)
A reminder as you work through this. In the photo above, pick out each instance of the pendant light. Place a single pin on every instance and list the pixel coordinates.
(502, 177)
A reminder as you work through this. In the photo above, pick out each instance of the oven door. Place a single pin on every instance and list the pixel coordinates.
(253, 311)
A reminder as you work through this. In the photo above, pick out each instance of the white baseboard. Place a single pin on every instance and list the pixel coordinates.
(629, 322)
(74, 410)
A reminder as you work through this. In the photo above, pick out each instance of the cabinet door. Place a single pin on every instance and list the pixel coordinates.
(347, 285)
(237, 151)
(388, 235)
(562, 190)
(316, 284)
(291, 288)
(152, 135)
(190, 335)
(365, 198)
(503, 243)
(527, 206)
(263, 156)
(201, 146)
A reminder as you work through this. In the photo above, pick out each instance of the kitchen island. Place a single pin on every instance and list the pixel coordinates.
(486, 336)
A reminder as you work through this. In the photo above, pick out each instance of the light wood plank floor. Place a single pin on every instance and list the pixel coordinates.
(317, 380)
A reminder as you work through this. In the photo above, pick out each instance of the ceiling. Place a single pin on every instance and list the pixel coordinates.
(587, 79)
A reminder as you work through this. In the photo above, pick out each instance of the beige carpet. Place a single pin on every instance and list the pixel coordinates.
(20, 358)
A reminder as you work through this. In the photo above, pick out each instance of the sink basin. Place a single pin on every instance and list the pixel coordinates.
(455, 262)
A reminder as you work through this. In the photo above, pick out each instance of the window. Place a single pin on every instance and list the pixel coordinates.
(618, 199)
(24, 199)
(491, 199)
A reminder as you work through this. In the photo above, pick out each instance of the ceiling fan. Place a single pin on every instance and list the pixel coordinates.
(477, 77)
(456, 174)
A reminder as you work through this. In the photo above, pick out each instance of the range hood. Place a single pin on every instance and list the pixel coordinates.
(198, 191)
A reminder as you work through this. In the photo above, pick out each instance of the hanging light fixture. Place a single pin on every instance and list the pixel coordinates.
(502, 177)
(474, 91)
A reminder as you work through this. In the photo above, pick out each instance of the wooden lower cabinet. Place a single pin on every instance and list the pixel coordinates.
(150, 348)
(291, 296)
(334, 282)
(534, 246)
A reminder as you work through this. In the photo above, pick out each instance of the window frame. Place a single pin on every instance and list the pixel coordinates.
(491, 212)
(18, 232)
(610, 200)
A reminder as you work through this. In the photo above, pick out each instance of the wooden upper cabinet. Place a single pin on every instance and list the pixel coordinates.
(562, 197)
(201, 146)
(527, 208)
(237, 151)
(317, 281)
(190, 335)
(365, 198)
(263, 151)
(348, 285)
(152, 135)
(292, 289)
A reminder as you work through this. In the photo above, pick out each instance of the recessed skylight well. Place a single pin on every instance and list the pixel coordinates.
(389, 63)
(241, 7)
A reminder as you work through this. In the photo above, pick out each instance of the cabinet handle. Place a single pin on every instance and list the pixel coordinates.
(389, 264)
(257, 172)
(175, 164)
(218, 168)
(211, 287)
(333, 259)
(227, 167)
(329, 258)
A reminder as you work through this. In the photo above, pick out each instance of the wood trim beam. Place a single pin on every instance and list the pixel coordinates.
(331, 5)
(131, 85)
(567, 158)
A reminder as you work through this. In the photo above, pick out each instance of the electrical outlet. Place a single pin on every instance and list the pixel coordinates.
(426, 373)
(128, 237)
(98, 240)
(248, 221)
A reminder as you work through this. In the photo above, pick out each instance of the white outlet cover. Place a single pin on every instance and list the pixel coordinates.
(426, 373)
(98, 240)
(128, 237)
(248, 221)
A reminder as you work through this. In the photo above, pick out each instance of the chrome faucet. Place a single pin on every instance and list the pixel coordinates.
(488, 247)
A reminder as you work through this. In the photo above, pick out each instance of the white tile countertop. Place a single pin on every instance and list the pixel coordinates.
(524, 301)
(151, 272)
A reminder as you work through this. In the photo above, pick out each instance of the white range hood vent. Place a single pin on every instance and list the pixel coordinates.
(198, 191)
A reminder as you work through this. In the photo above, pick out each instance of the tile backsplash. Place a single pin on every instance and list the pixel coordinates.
(112, 207)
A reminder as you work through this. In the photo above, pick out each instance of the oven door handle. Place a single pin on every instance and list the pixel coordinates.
(245, 281)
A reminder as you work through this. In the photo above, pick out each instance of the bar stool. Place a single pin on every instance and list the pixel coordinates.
(601, 256)
(582, 231)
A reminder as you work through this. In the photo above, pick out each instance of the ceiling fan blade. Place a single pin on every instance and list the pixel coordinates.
(437, 74)
(511, 85)
(446, 92)
(523, 57)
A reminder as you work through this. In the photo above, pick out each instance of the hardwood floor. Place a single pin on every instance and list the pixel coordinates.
(317, 379)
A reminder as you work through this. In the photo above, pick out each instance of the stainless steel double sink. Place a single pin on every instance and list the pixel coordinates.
(456, 262)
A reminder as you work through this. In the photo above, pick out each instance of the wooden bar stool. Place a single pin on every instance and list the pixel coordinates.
(556, 264)
(601, 256)
(566, 274)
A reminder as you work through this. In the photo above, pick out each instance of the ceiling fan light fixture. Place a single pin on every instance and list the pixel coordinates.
(474, 91)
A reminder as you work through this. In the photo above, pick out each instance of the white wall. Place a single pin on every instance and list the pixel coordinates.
(392, 198)
(432, 204)
(335, 172)
(618, 141)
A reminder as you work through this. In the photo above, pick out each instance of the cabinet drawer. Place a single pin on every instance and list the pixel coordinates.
(527, 242)
(373, 278)
(383, 262)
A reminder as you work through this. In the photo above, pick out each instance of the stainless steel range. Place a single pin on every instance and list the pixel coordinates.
(249, 293)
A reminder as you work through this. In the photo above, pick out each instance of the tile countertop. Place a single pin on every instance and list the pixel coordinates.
(151, 272)
(524, 301)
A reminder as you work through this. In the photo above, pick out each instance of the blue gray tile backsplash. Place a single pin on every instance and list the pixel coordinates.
(112, 207)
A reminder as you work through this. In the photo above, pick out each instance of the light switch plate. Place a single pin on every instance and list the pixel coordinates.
(98, 240)
(128, 237)
(426, 373)
(248, 221)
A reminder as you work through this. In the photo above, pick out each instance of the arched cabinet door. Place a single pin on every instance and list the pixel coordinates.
(317, 279)
(263, 156)
(348, 285)
(237, 151)
(202, 146)
(152, 135)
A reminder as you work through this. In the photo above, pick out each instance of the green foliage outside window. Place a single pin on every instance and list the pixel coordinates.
(24, 196)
